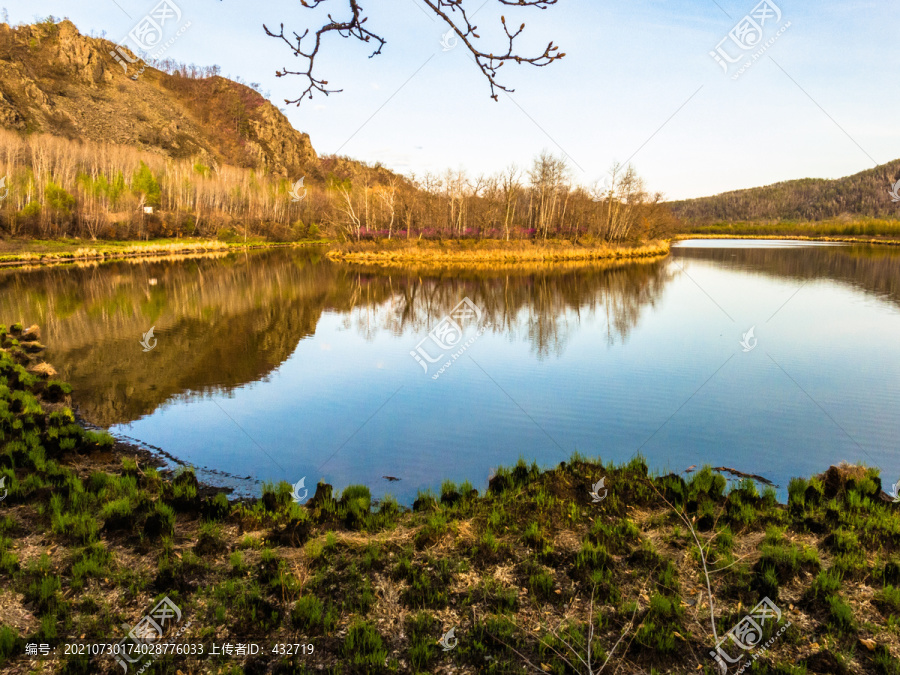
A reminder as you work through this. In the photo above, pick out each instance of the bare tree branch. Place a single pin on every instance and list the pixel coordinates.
(307, 45)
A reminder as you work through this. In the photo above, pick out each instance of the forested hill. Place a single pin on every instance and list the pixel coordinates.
(863, 194)
(57, 81)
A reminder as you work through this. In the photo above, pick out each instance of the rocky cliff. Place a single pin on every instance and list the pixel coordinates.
(55, 80)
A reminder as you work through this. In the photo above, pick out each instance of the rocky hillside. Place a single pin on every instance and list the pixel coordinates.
(57, 81)
(862, 194)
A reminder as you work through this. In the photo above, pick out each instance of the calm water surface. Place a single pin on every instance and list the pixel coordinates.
(280, 364)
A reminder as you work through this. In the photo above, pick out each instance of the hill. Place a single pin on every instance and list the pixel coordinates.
(57, 81)
(92, 149)
(864, 194)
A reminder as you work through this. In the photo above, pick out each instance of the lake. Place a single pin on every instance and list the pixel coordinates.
(279, 364)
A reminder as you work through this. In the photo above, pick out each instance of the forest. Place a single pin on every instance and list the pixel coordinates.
(864, 194)
(58, 187)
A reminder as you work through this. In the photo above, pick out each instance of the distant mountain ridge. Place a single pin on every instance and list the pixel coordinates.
(863, 194)
(55, 80)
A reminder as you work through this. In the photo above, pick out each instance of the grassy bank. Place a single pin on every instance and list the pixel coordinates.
(854, 231)
(534, 575)
(38, 251)
(474, 252)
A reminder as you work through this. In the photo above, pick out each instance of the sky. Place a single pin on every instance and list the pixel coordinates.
(638, 84)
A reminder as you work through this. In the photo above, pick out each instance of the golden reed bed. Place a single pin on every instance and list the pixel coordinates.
(501, 253)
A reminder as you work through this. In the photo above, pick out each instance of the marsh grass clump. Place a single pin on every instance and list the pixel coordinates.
(667, 581)
(353, 507)
(827, 583)
(276, 497)
(531, 564)
(56, 390)
(540, 582)
(852, 565)
(428, 583)
(77, 527)
(888, 600)
(534, 535)
(247, 607)
(512, 479)
(492, 636)
(160, 521)
(44, 593)
(312, 617)
(425, 502)
(238, 564)
(9, 561)
(657, 630)
(92, 562)
(10, 643)
(422, 649)
(450, 495)
(840, 614)
(489, 548)
(364, 647)
(786, 560)
(435, 527)
(706, 483)
(217, 507)
(619, 537)
(889, 574)
(209, 539)
(842, 541)
(494, 596)
(183, 493)
(591, 558)
(797, 494)
(884, 662)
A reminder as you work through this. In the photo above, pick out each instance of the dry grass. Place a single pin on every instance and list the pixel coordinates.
(43, 370)
(490, 252)
(797, 237)
(108, 253)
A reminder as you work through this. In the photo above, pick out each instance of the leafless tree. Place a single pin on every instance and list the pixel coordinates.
(388, 194)
(549, 181)
(511, 185)
(346, 207)
(626, 195)
(456, 14)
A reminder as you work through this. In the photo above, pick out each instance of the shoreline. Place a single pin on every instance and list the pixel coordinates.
(137, 250)
(528, 572)
(449, 254)
(491, 251)
(826, 238)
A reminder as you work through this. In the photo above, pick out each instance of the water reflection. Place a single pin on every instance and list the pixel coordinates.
(226, 322)
(308, 359)
(873, 269)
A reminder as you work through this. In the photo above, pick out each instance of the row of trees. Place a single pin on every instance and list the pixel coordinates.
(57, 188)
(541, 201)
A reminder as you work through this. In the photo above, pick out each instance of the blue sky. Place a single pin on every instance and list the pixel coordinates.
(637, 83)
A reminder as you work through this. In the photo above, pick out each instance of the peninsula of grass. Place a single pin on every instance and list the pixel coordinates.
(464, 252)
(48, 252)
(862, 231)
(535, 575)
